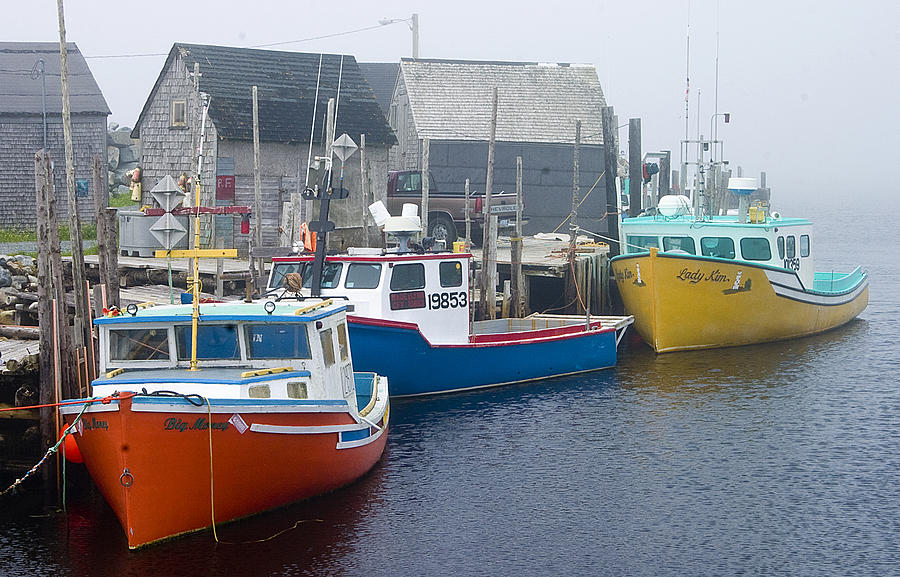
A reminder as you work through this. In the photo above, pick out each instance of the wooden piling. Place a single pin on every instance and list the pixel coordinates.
(426, 154)
(257, 195)
(611, 166)
(517, 279)
(74, 219)
(110, 222)
(665, 169)
(571, 288)
(43, 189)
(489, 239)
(635, 172)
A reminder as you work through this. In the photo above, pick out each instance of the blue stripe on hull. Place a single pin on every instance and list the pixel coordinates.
(414, 367)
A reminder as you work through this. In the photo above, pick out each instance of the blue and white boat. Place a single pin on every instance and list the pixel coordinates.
(411, 322)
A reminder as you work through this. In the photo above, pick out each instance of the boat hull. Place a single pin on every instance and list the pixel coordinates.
(415, 366)
(152, 458)
(683, 302)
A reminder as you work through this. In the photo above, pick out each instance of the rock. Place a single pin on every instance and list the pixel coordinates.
(111, 180)
(25, 260)
(120, 138)
(122, 190)
(112, 157)
(19, 281)
(129, 154)
(5, 278)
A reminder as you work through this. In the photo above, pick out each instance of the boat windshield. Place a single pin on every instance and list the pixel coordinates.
(150, 344)
(277, 341)
(213, 342)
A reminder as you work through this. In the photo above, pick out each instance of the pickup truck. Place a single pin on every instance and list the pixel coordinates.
(447, 210)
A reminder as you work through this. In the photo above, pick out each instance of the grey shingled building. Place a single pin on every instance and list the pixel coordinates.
(22, 133)
(286, 84)
(449, 101)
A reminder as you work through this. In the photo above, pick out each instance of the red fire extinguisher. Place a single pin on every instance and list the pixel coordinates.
(245, 224)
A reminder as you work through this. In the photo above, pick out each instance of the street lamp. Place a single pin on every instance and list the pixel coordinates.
(413, 24)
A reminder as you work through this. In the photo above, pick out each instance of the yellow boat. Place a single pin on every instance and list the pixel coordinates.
(719, 282)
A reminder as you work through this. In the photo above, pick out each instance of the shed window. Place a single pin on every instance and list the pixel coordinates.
(756, 249)
(717, 246)
(178, 117)
(408, 277)
(804, 245)
(679, 243)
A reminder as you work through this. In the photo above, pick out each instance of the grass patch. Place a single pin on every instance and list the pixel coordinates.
(88, 232)
(17, 235)
(121, 201)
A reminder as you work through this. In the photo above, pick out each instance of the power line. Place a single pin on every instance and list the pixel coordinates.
(269, 45)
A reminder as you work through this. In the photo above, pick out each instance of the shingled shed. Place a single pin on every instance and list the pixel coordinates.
(22, 134)
(286, 81)
(449, 102)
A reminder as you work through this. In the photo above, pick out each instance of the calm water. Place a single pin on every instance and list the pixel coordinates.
(779, 459)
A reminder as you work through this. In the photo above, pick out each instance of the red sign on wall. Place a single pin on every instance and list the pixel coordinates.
(225, 188)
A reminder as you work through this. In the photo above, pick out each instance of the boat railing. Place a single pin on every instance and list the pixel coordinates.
(832, 282)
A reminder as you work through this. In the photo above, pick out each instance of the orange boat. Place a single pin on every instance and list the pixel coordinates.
(272, 414)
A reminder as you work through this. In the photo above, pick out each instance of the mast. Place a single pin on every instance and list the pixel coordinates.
(195, 286)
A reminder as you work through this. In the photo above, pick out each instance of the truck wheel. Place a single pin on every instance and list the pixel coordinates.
(442, 228)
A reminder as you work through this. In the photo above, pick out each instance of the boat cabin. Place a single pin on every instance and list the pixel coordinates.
(784, 243)
(431, 290)
(262, 350)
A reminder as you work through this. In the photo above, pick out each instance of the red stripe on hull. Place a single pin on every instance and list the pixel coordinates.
(168, 458)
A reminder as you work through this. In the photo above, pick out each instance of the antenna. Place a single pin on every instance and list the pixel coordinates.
(715, 134)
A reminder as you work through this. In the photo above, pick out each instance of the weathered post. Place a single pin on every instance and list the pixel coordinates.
(426, 153)
(571, 287)
(110, 218)
(100, 203)
(257, 194)
(468, 220)
(74, 220)
(611, 166)
(43, 189)
(665, 167)
(635, 172)
(517, 284)
(489, 240)
(366, 191)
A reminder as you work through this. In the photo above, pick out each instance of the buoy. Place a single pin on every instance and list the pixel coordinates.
(72, 452)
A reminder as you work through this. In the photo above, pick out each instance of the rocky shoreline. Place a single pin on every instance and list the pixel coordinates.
(123, 154)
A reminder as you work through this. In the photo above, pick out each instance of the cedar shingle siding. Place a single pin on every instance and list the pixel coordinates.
(450, 101)
(286, 84)
(21, 128)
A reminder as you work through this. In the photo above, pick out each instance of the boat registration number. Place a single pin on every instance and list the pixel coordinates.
(449, 300)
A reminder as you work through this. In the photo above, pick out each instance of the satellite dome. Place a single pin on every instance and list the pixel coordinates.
(674, 205)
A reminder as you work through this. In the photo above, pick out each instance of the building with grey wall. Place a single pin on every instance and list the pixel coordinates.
(169, 127)
(450, 101)
(29, 77)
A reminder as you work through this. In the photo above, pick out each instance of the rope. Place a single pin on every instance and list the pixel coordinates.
(577, 206)
(52, 450)
(212, 499)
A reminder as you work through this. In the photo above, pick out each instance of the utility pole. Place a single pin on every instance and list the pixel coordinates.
(571, 288)
(517, 284)
(415, 36)
(74, 220)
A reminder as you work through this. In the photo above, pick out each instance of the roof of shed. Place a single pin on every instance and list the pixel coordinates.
(382, 77)
(452, 99)
(20, 80)
(286, 84)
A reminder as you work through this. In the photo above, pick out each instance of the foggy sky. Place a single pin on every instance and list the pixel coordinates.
(811, 85)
